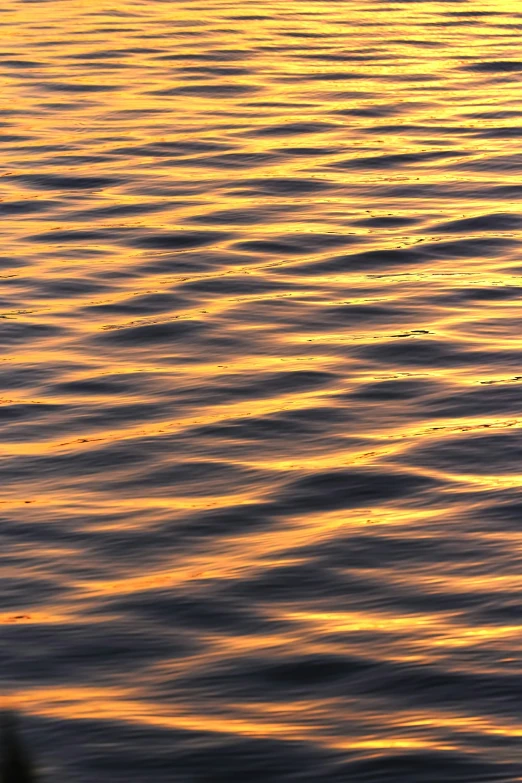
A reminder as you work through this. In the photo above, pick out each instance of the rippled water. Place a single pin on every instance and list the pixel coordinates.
(261, 406)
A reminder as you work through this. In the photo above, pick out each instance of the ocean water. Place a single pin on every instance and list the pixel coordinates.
(261, 449)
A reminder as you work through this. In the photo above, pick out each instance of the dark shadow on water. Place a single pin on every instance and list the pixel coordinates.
(16, 765)
(155, 754)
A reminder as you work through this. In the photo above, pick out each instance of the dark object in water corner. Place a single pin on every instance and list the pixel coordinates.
(15, 765)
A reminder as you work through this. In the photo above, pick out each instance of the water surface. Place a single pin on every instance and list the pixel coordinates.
(261, 389)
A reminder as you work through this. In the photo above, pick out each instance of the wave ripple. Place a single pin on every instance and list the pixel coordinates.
(261, 388)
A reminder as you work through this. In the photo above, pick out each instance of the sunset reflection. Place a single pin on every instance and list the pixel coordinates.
(261, 437)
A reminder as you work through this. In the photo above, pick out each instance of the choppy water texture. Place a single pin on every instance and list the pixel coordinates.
(261, 371)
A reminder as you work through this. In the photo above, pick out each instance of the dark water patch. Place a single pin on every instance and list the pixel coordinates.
(280, 310)
(167, 149)
(27, 206)
(422, 352)
(247, 216)
(105, 54)
(101, 385)
(501, 511)
(178, 609)
(122, 413)
(214, 524)
(465, 454)
(233, 160)
(310, 428)
(502, 191)
(341, 57)
(12, 412)
(88, 649)
(75, 467)
(498, 327)
(338, 489)
(257, 677)
(397, 389)
(215, 70)
(293, 129)
(493, 163)
(76, 160)
(296, 244)
(170, 189)
(15, 113)
(65, 106)
(111, 383)
(64, 182)
(19, 63)
(149, 334)
(294, 104)
(331, 76)
(354, 315)
(232, 388)
(177, 240)
(463, 296)
(14, 138)
(493, 222)
(232, 285)
(71, 235)
(134, 114)
(213, 55)
(459, 191)
(260, 429)
(500, 133)
(494, 66)
(364, 552)
(285, 186)
(495, 114)
(433, 131)
(83, 251)
(369, 259)
(194, 262)
(298, 425)
(306, 152)
(193, 478)
(392, 161)
(102, 67)
(421, 253)
(437, 353)
(352, 675)
(21, 376)
(471, 14)
(194, 753)
(147, 304)
(375, 111)
(8, 262)
(80, 87)
(250, 17)
(499, 610)
(430, 767)
(303, 582)
(18, 332)
(418, 42)
(117, 210)
(18, 592)
(59, 288)
(494, 400)
(386, 221)
(127, 545)
(212, 90)
(254, 758)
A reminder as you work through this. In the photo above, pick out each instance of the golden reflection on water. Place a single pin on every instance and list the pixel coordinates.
(261, 274)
